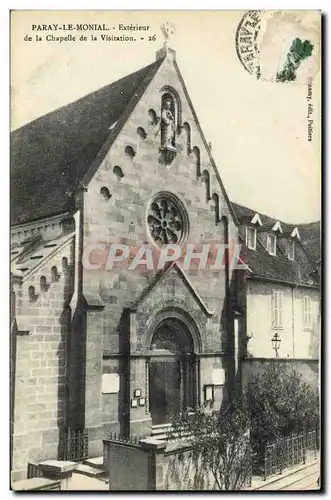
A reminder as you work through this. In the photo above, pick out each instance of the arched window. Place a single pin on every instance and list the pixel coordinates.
(130, 152)
(187, 134)
(170, 93)
(118, 172)
(104, 193)
(32, 294)
(43, 284)
(54, 274)
(206, 179)
(168, 122)
(171, 118)
(196, 156)
(141, 133)
(216, 201)
(64, 264)
(152, 117)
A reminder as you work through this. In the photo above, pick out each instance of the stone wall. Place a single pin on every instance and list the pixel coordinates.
(309, 369)
(40, 333)
(121, 217)
(153, 465)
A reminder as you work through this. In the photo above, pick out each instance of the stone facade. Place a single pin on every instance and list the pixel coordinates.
(78, 322)
(88, 323)
(40, 331)
(122, 218)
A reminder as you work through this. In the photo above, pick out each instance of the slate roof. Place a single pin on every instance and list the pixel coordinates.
(311, 240)
(302, 270)
(51, 155)
(29, 255)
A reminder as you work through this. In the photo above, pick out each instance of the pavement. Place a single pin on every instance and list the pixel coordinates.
(300, 478)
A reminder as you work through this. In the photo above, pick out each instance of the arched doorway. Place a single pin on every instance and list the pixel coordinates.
(172, 371)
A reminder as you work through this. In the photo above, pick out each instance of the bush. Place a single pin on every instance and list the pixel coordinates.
(280, 402)
(220, 446)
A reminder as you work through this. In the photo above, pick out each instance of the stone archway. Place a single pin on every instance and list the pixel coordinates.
(172, 371)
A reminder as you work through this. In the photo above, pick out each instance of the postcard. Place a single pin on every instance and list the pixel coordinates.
(165, 250)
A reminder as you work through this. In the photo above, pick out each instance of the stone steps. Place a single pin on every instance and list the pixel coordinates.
(87, 470)
(161, 432)
(96, 462)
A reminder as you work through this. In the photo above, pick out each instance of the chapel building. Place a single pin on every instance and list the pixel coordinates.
(97, 348)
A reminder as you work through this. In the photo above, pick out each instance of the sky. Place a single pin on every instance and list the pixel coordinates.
(257, 128)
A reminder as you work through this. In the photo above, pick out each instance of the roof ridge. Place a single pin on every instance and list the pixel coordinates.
(272, 219)
(76, 101)
(52, 154)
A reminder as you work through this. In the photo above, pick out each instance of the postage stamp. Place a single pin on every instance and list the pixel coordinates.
(279, 46)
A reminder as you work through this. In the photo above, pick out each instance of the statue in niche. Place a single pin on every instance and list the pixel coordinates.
(167, 127)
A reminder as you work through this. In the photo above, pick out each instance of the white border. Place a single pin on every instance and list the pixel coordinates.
(4, 195)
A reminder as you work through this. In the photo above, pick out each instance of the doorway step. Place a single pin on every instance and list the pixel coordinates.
(161, 431)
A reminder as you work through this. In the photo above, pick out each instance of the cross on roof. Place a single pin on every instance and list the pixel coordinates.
(167, 30)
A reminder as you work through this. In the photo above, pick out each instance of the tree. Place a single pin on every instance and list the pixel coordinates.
(221, 453)
(279, 401)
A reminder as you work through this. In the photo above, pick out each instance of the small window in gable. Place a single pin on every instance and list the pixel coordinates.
(271, 244)
(187, 132)
(152, 117)
(43, 284)
(118, 172)
(32, 294)
(206, 179)
(141, 133)
(64, 264)
(54, 274)
(216, 201)
(105, 193)
(197, 160)
(130, 152)
(251, 238)
(290, 249)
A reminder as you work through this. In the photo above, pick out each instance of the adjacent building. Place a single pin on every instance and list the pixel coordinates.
(279, 292)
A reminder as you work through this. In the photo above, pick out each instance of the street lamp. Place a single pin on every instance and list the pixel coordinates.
(276, 343)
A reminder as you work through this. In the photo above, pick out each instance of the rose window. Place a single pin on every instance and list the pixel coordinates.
(166, 220)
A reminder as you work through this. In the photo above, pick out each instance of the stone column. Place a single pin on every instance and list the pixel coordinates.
(93, 378)
(140, 419)
(156, 462)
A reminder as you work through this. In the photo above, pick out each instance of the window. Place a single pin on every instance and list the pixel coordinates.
(251, 237)
(271, 244)
(277, 309)
(290, 249)
(307, 312)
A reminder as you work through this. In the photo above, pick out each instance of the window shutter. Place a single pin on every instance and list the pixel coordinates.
(276, 308)
(280, 308)
(273, 309)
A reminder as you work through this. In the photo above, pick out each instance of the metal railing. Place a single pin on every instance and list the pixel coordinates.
(73, 445)
(288, 451)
